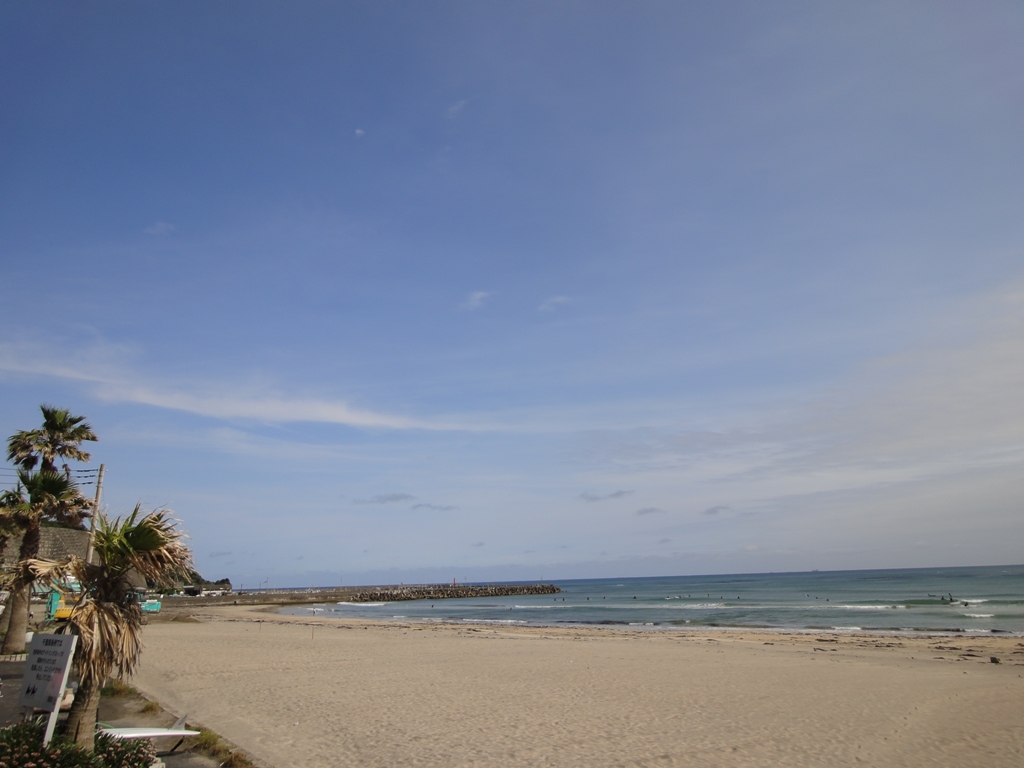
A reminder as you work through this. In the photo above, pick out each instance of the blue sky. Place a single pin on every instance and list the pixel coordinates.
(384, 292)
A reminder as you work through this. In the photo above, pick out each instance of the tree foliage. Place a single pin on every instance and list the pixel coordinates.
(21, 746)
(39, 497)
(107, 617)
(60, 437)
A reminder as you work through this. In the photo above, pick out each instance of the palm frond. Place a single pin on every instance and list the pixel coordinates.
(21, 448)
(59, 438)
(107, 617)
(52, 572)
(109, 638)
(152, 545)
(50, 496)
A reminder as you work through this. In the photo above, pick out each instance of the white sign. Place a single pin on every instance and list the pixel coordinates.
(46, 671)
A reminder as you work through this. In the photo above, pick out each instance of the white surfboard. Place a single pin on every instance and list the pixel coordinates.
(147, 733)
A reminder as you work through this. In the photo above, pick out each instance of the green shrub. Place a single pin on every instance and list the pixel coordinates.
(21, 746)
(124, 753)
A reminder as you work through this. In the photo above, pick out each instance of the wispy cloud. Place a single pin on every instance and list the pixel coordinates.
(219, 554)
(386, 498)
(272, 409)
(478, 544)
(360, 133)
(650, 511)
(107, 369)
(947, 406)
(159, 229)
(591, 496)
(435, 507)
(553, 303)
(454, 110)
(475, 300)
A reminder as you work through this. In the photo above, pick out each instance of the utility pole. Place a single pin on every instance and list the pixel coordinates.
(95, 510)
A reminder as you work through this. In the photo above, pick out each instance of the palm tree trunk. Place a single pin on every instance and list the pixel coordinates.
(5, 617)
(81, 724)
(21, 593)
(17, 607)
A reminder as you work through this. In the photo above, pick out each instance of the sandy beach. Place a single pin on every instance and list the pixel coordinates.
(296, 691)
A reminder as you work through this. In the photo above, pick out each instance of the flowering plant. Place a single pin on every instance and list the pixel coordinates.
(21, 746)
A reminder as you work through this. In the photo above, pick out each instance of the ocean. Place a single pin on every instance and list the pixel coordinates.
(973, 600)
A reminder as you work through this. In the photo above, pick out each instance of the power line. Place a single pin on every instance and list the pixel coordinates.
(13, 471)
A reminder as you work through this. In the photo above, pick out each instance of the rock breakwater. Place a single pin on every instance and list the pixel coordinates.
(362, 594)
(446, 591)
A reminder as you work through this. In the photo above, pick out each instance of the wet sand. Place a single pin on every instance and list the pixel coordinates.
(297, 691)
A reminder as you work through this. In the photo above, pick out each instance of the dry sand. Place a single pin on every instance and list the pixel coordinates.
(296, 691)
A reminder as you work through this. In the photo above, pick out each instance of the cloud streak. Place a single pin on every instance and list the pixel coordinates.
(949, 405)
(456, 108)
(475, 300)
(102, 367)
(159, 229)
(386, 498)
(553, 303)
(591, 496)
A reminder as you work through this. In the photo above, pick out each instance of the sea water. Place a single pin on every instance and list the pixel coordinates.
(976, 600)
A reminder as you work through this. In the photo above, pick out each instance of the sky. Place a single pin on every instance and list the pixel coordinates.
(371, 292)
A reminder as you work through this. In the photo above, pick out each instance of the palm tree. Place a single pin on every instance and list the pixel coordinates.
(107, 617)
(39, 496)
(59, 438)
(8, 527)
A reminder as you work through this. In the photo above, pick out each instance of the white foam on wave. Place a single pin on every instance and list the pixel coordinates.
(494, 621)
(980, 615)
(363, 605)
(861, 607)
(847, 629)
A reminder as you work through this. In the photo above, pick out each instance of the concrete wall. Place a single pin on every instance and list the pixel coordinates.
(54, 544)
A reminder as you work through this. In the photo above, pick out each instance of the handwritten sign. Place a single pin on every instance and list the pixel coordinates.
(46, 671)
